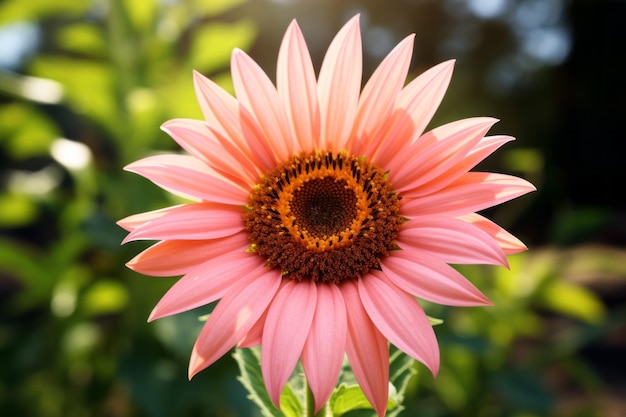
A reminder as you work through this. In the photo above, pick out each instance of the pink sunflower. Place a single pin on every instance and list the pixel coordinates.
(320, 212)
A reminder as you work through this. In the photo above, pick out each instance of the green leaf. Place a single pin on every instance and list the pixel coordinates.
(84, 38)
(402, 368)
(105, 297)
(213, 44)
(434, 321)
(17, 210)
(290, 403)
(574, 301)
(348, 397)
(214, 7)
(140, 13)
(26, 131)
(249, 362)
(527, 160)
(89, 85)
(37, 278)
(12, 10)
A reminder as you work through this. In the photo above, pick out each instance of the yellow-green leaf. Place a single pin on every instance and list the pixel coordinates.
(105, 297)
(574, 301)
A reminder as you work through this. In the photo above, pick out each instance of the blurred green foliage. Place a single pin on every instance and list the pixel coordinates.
(73, 337)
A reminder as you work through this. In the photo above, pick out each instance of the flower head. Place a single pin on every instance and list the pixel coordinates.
(320, 211)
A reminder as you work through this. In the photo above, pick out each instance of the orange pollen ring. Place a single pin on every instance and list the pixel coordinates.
(339, 238)
(323, 217)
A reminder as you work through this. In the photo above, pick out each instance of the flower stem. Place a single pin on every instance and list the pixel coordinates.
(309, 401)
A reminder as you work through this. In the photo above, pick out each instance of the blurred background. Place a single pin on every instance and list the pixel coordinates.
(84, 86)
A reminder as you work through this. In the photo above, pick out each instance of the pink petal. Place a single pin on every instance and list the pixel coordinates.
(295, 82)
(380, 92)
(130, 223)
(254, 337)
(367, 350)
(177, 257)
(483, 149)
(338, 87)
(191, 222)
(188, 176)
(509, 243)
(257, 93)
(400, 318)
(232, 318)
(437, 152)
(431, 279)
(220, 153)
(451, 240)
(325, 346)
(471, 192)
(208, 282)
(231, 120)
(422, 96)
(414, 108)
(286, 329)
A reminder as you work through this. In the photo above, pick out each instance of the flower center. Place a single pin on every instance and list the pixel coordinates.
(323, 216)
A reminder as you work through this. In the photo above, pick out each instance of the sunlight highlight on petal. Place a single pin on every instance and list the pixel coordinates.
(206, 283)
(233, 317)
(190, 222)
(338, 86)
(296, 85)
(189, 177)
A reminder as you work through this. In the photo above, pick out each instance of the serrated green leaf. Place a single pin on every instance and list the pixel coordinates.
(290, 403)
(347, 398)
(402, 368)
(249, 362)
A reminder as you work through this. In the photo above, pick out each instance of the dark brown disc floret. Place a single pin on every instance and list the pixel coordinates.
(324, 217)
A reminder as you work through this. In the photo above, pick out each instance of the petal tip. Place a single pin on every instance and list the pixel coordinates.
(237, 54)
(195, 364)
(128, 238)
(198, 78)
(153, 315)
(129, 167)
